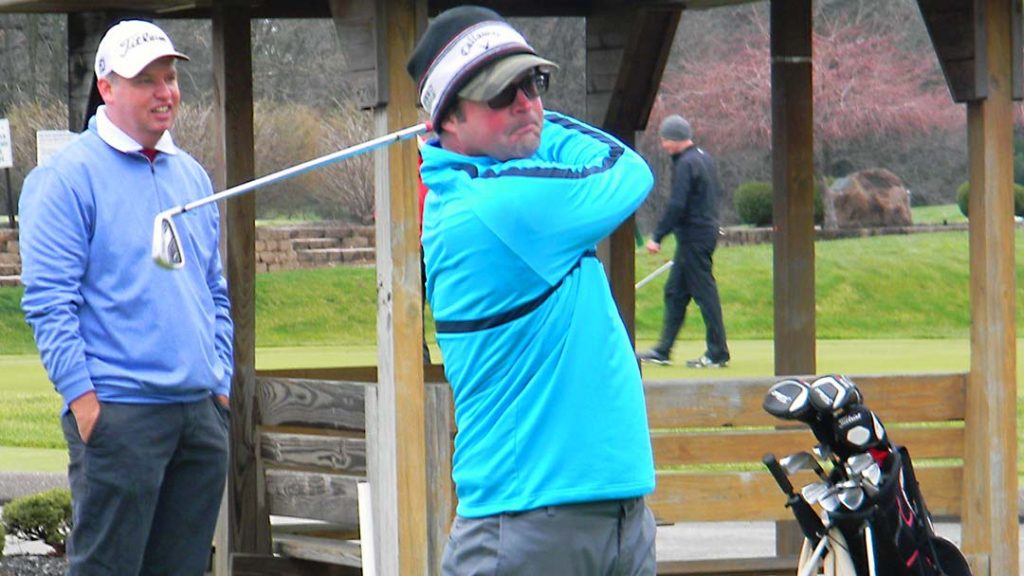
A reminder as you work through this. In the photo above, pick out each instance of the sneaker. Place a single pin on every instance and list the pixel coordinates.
(654, 357)
(705, 362)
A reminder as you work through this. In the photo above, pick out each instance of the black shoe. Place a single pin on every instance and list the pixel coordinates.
(654, 357)
(705, 362)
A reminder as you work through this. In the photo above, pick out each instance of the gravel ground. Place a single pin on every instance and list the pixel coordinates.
(32, 565)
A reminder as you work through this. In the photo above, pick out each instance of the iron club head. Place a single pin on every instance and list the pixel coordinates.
(166, 249)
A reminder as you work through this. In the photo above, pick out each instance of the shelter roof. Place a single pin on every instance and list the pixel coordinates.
(321, 8)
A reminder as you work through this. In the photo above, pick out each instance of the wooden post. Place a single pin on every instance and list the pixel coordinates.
(399, 482)
(85, 29)
(793, 212)
(232, 68)
(990, 530)
(793, 182)
(440, 429)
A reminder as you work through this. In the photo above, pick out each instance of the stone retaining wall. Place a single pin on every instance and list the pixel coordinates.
(337, 244)
(313, 246)
(10, 258)
(741, 236)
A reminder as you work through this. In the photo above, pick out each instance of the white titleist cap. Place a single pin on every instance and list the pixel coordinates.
(130, 46)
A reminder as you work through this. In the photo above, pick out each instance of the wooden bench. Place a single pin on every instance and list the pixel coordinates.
(313, 450)
(709, 438)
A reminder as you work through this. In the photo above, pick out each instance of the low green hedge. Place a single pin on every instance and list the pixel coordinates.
(963, 192)
(45, 516)
(754, 203)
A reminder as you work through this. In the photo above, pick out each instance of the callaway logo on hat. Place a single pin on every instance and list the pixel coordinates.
(130, 46)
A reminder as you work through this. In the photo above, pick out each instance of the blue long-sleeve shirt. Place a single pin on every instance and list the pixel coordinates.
(549, 406)
(105, 317)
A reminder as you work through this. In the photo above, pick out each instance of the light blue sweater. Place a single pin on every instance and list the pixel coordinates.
(105, 317)
(550, 406)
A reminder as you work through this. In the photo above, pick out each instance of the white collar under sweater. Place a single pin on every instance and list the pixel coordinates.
(117, 138)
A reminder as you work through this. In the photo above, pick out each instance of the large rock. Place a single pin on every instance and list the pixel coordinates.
(869, 198)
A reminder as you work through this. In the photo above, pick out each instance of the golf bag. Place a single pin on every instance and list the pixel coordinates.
(903, 541)
(874, 520)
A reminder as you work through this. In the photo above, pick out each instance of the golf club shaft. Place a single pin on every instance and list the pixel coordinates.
(307, 166)
(661, 270)
(811, 568)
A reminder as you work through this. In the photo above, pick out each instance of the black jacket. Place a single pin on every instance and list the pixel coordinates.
(692, 212)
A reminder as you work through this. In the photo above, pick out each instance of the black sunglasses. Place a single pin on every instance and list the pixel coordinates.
(533, 85)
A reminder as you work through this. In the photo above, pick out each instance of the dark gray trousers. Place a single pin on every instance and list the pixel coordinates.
(608, 538)
(146, 489)
(691, 279)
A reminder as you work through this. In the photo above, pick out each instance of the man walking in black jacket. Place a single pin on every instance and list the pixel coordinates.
(692, 215)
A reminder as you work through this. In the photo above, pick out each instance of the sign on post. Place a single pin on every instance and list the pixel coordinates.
(6, 163)
(6, 146)
(49, 142)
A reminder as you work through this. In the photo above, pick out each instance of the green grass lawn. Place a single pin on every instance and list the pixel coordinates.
(884, 305)
(913, 286)
(944, 214)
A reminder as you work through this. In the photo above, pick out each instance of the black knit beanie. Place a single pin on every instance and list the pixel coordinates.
(457, 44)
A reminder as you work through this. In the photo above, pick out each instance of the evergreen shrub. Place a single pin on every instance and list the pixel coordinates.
(963, 192)
(45, 516)
(753, 202)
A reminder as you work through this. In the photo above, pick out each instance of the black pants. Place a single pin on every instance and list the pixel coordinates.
(691, 279)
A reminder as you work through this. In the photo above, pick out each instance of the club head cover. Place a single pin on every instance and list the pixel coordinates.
(858, 430)
(833, 393)
(789, 400)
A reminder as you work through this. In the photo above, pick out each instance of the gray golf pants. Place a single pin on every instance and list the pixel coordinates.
(146, 489)
(607, 538)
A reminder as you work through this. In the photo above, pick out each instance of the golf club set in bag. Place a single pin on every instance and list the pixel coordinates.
(874, 521)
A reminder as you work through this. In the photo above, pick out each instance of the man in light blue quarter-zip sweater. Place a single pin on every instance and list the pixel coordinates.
(141, 355)
(553, 454)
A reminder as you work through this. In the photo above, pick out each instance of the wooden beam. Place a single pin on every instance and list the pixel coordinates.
(793, 210)
(398, 448)
(638, 70)
(357, 25)
(626, 54)
(793, 182)
(957, 31)
(990, 528)
(232, 69)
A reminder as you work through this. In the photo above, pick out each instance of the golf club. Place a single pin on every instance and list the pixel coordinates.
(167, 250)
(647, 279)
(859, 429)
(808, 520)
(815, 492)
(789, 400)
(802, 461)
(834, 392)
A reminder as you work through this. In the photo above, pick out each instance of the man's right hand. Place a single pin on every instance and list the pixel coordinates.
(653, 247)
(86, 409)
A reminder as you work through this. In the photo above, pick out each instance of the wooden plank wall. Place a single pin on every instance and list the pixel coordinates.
(697, 424)
(314, 449)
